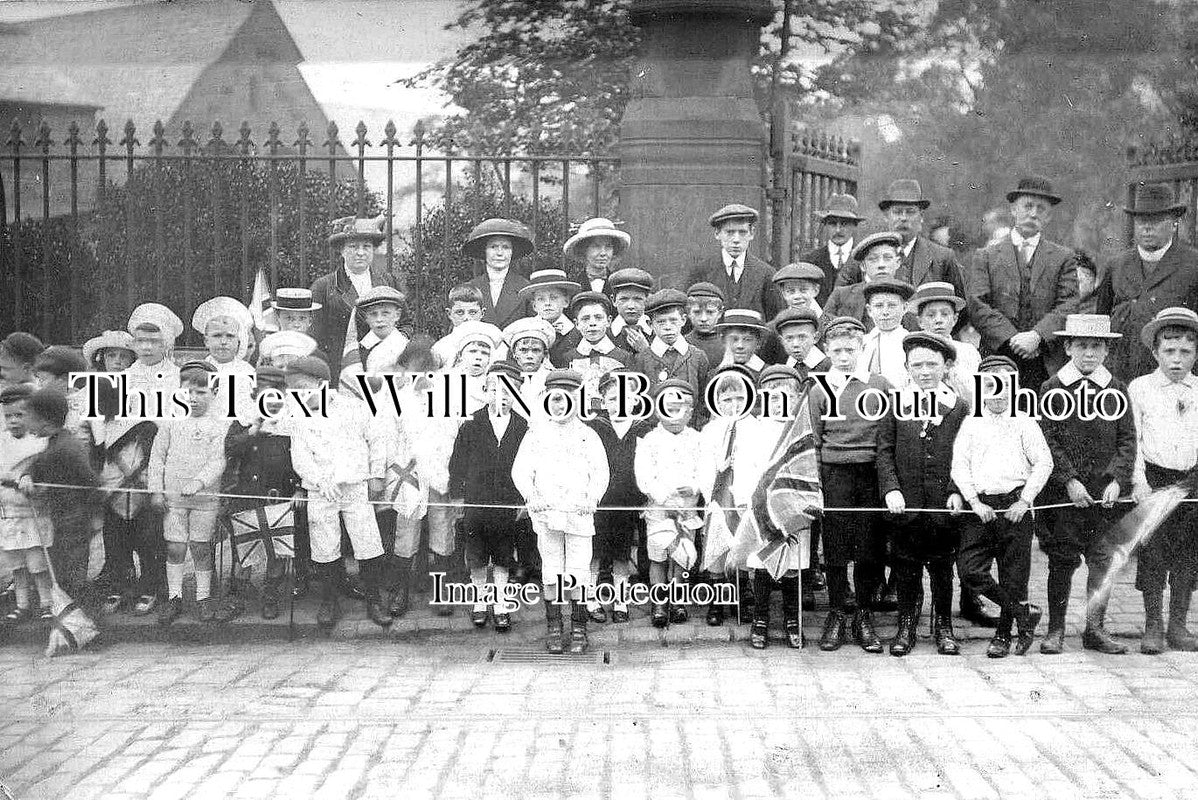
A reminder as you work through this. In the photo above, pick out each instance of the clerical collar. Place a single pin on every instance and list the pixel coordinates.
(603, 346)
(1070, 374)
(659, 348)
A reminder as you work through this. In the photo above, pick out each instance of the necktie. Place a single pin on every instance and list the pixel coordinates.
(839, 258)
(1026, 250)
(875, 361)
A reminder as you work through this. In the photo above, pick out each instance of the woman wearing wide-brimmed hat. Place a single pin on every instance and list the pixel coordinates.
(497, 243)
(597, 243)
(1159, 271)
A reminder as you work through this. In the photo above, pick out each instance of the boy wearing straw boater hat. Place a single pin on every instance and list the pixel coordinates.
(915, 451)
(1092, 458)
(838, 220)
(294, 309)
(1165, 405)
(629, 289)
(597, 243)
(742, 331)
(1159, 272)
(1001, 462)
(742, 277)
(547, 293)
(1023, 287)
(704, 307)
(497, 243)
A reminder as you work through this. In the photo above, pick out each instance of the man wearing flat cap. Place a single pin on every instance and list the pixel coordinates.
(838, 222)
(338, 327)
(741, 276)
(1022, 287)
(1159, 272)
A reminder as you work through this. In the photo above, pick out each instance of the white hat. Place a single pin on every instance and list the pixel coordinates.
(108, 340)
(160, 317)
(221, 307)
(530, 328)
(286, 343)
(474, 331)
(596, 228)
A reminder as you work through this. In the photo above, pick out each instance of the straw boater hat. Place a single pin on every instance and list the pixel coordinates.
(933, 341)
(800, 271)
(160, 317)
(1177, 316)
(346, 228)
(221, 307)
(873, 240)
(904, 191)
(294, 299)
(1088, 326)
(840, 206)
(597, 228)
(476, 241)
(547, 279)
(936, 292)
(732, 212)
(93, 349)
(530, 328)
(1154, 199)
(1036, 187)
(742, 318)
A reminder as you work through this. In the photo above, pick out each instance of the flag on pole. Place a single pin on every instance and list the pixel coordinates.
(262, 304)
(723, 517)
(263, 533)
(777, 523)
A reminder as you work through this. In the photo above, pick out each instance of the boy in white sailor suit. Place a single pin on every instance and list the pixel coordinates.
(226, 326)
(474, 346)
(154, 328)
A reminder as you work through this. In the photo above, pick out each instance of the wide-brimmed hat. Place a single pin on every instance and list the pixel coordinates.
(221, 307)
(731, 212)
(905, 191)
(1176, 316)
(873, 240)
(1155, 198)
(596, 228)
(530, 328)
(1089, 326)
(294, 299)
(934, 341)
(888, 286)
(161, 317)
(936, 292)
(840, 206)
(742, 318)
(1035, 186)
(794, 316)
(548, 279)
(93, 349)
(368, 228)
(799, 271)
(476, 241)
(286, 343)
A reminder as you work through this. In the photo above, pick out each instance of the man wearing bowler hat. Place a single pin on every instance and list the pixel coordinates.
(337, 327)
(497, 243)
(744, 278)
(1022, 287)
(838, 221)
(1159, 272)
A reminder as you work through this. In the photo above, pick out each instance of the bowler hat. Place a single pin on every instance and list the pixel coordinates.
(936, 292)
(547, 279)
(1177, 316)
(934, 341)
(665, 299)
(1155, 198)
(596, 228)
(733, 211)
(905, 191)
(742, 318)
(888, 286)
(799, 271)
(476, 241)
(344, 229)
(1035, 186)
(1088, 326)
(794, 316)
(873, 240)
(840, 206)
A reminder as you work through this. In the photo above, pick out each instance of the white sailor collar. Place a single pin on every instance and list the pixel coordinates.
(566, 325)
(838, 378)
(642, 324)
(1190, 381)
(604, 346)
(659, 348)
(755, 363)
(1070, 374)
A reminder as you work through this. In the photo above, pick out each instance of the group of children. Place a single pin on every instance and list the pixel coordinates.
(569, 496)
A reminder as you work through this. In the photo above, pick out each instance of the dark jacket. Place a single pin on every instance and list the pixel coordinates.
(622, 489)
(928, 262)
(820, 258)
(849, 301)
(337, 296)
(1132, 296)
(510, 307)
(918, 465)
(755, 290)
(259, 463)
(1095, 451)
(480, 469)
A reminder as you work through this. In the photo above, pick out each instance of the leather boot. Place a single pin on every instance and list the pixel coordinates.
(553, 627)
(1060, 580)
(864, 633)
(401, 586)
(942, 632)
(270, 597)
(762, 584)
(442, 564)
(372, 579)
(1095, 636)
(759, 634)
(1153, 643)
(808, 598)
(791, 612)
(972, 610)
(715, 615)
(1177, 635)
(1027, 617)
(833, 634)
(330, 604)
(904, 638)
(886, 598)
(578, 628)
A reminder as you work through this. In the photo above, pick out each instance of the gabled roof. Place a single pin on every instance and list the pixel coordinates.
(136, 61)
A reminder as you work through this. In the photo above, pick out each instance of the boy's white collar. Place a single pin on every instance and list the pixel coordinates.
(1070, 374)
(659, 348)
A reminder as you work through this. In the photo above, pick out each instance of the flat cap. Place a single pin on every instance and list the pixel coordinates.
(799, 271)
(733, 211)
(794, 316)
(310, 366)
(665, 299)
(585, 298)
(566, 379)
(991, 363)
(778, 372)
(380, 294)
(888, 286)
(705, 289)
(933, 341)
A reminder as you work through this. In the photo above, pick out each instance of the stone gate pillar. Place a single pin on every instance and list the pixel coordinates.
(692, 138)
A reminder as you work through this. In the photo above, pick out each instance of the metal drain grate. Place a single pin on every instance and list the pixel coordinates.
(538, 655)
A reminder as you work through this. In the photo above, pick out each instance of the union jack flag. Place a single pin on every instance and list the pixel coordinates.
(264, 533)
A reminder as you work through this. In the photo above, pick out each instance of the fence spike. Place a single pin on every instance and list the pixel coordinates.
(188, 142)
(73, 141)
(102, 140)
(305, 140)
(273, 143)
(361, 142)
(158, 142)
(244, 143)
(418, 133)
(332, 142)
(389, 140)
(43, 137)
(130, 141)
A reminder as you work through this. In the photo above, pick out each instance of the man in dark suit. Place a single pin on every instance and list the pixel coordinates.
(839, 220)
(337, 292)
(921, 259)
(1022, 287)
(1160, 272)
(497, 243)
(744, 279)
